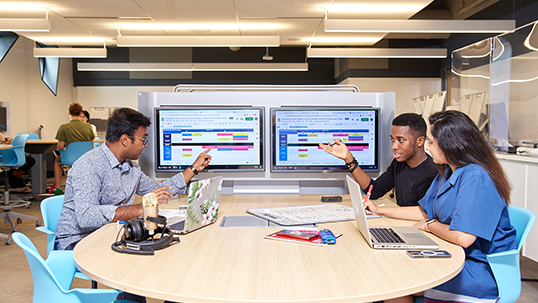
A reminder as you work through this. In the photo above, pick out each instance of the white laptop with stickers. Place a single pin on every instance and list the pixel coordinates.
(202, 205)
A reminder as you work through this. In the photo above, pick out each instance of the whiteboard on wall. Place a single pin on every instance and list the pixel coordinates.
(255, 182)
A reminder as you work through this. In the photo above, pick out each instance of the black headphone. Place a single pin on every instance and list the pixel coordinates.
(136, 239)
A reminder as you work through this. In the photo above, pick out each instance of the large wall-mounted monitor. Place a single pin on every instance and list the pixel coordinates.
(234, 134)
(296, 134)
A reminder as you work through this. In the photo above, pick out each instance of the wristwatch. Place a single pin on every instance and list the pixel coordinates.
(428, 222)
(193, 169)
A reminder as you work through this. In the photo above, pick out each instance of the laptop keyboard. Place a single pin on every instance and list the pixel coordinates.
(177, 227)
(386, 235)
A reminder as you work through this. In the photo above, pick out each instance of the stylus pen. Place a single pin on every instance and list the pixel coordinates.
(368, 194)
(333, 143)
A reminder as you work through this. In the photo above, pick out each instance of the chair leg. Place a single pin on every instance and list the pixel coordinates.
(8, 219)
(7, 238)
(21, 216)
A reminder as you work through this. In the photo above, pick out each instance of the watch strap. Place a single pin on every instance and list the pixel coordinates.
(193, 169)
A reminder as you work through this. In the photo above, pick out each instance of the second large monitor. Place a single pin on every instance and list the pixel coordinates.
(297, 132)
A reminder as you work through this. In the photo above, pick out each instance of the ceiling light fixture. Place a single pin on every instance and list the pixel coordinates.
(373, 8)
(13, 6)
(210, 26)
(24, 25)
(343, 40)
(44, 52)
(418, 26)
(377, 53)
(198, 41)
(30, 24)
(71, 40)
(151, 67)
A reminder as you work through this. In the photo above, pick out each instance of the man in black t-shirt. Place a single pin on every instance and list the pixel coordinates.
(410, 173)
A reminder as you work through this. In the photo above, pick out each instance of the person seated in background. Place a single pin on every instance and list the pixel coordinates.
(467, 204)
(15, 175)
(410, 173)
(73, 131)
(103, 182)
(85, 117)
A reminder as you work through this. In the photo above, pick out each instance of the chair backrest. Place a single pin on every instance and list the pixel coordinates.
(47, 284)
(522, 219)
(74, 151)
(32, 136)
(51, 208)
(15, 156)
(505, 265)
(53, 277)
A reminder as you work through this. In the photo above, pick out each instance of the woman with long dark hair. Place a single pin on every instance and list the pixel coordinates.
(466, 205)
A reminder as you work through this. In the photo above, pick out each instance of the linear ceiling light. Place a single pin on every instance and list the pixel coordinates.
(14, 6)
(198, 41)
(419, 26)
(372, 8)
(197, 26)
(43, 52)
(85, 41)
(342, 40)
(270, 67)
(175, 67)
(377, 53)
(24, 25)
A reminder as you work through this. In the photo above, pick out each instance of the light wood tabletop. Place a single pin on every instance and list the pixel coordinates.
(5, 146)
(236, 264)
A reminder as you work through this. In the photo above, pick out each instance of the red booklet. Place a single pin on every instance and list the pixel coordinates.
(280, 235)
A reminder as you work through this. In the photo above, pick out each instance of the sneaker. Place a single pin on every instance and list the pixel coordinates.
(51, 189)
(57, 192)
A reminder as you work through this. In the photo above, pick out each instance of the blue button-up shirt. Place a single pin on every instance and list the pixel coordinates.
(96, 186)
(468, 201)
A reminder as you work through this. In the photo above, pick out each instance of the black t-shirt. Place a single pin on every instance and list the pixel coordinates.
(409, 183)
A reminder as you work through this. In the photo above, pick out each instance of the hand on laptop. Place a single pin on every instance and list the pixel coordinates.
(163, 194)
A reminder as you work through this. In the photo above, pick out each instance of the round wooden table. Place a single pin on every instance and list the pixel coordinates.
(236, 264)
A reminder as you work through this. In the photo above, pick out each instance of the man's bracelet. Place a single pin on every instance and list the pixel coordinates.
(356, 165)
(349, 164)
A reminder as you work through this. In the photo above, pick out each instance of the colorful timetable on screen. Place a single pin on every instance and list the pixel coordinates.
(234, 135)
(297, 132)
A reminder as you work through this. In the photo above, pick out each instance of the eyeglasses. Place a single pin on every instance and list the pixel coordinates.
(144, 140)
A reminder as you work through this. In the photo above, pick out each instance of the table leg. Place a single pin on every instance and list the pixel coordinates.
(39, 174)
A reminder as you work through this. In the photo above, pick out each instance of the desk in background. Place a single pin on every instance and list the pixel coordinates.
(216, 264)
(38, 148)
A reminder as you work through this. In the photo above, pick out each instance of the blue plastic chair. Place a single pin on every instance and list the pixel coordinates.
(31, 136)
(52, 277)
(13, 158)
(51, 208)
(505, 265)
(74, 151)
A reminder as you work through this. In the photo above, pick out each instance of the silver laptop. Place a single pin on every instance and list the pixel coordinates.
(202, 205)
(390, 237)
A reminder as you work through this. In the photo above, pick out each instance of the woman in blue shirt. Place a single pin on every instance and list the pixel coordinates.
(466, 205)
